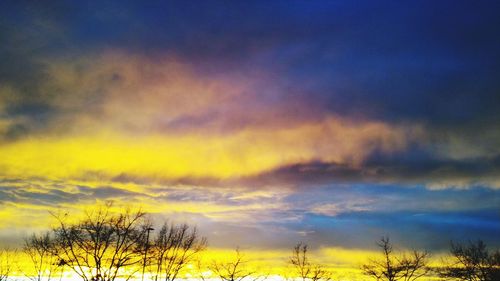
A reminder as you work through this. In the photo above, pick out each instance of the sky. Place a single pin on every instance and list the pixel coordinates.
(264, 123)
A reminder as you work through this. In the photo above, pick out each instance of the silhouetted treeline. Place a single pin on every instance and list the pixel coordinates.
(472, 262)
(106, 246)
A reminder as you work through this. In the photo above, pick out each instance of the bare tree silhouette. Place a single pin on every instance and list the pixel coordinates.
(174, 247)
(472, 262)
(99, 247)
(235, 269)
(392, 267)
(5, 264)
(303, 266)
(39, 249)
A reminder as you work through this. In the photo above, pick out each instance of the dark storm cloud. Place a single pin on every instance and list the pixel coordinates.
(412, 166)
(424, 61)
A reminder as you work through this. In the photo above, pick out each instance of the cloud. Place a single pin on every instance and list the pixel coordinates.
(308, 88)
(405, 168)
(333, 209)
(117, 114)
(348, 216)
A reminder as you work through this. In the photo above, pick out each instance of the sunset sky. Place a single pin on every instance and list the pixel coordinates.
(264, 123)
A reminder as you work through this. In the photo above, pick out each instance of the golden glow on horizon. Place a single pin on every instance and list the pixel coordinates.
(344, 264)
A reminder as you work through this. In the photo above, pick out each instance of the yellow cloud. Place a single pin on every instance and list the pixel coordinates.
(165, 157)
